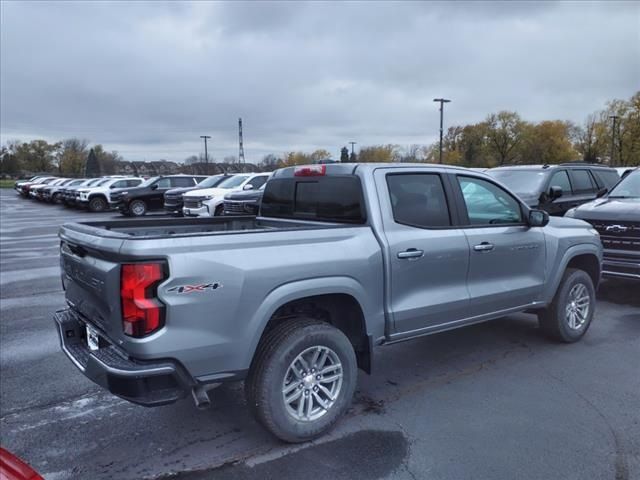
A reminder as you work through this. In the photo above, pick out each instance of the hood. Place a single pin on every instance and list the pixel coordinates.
(179, 191)
(245, 195)
(616, 209)
(205, 192)
(531, 200)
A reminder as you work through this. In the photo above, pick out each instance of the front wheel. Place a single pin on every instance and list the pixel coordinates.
(219, 211)
(98, 204)
(568, 317)
(137, 208)
(302, 379)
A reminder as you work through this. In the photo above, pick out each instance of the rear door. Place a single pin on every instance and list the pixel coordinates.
(507, 257)
(428, 256)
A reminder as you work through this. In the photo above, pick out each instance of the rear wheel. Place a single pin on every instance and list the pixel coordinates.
(137, 208)
(302, 379)
(568, 317)
(97, 204)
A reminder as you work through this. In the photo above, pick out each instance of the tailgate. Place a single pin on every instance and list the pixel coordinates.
(91, 278)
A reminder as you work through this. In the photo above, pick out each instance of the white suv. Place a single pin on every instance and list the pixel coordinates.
(209, 202)
(96, 198)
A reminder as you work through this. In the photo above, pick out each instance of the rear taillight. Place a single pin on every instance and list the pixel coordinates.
(310, 171)
(142, 312)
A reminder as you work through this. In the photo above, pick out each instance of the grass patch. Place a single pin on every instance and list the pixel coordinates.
(7, 183)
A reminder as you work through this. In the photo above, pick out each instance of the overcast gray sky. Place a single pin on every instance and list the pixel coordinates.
(147, 79)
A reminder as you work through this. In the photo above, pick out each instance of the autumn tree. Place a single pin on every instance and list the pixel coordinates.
(504, 131)
(379, 153)
(72, 156)
(546, 142)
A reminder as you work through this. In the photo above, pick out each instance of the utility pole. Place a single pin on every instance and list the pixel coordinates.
(241, 148)
(442, 101)
(206, 155)
(613, 139)
(352, 151)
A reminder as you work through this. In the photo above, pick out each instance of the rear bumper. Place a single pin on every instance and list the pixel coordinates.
(144, 383)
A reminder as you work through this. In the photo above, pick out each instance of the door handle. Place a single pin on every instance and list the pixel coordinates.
(411, 253)
(483, 247)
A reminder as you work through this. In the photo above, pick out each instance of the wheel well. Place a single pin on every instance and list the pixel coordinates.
(589, 263)
(338, 309)
(95, 195)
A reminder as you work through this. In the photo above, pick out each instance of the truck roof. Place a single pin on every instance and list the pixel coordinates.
(351, 168)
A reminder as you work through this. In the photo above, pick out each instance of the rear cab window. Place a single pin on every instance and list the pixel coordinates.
(331, 198)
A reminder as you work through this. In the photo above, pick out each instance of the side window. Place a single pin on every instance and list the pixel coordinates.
(606, 178)
(119, 184)
(561, 179)
(164, 183)
(582, 182)
(134, 183)
(257, 182)
(418, 200)
(182, 182)
(488, 204)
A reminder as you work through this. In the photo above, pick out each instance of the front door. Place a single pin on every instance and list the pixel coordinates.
(507, 257)
(427, 256)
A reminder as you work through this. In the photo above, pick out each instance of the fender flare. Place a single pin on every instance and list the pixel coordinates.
(569, 254)
(297, 290)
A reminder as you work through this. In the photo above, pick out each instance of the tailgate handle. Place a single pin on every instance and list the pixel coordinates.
(77, 250)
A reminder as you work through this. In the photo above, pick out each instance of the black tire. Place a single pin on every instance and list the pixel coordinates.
(265, 382)
(137, 208)
(555, 320)
(219, 211)
(98, 204)
(55, 198)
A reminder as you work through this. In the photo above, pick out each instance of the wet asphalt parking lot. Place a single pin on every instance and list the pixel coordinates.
(491, 401)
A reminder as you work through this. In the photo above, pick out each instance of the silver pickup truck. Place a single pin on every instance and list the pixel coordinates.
(342, 260)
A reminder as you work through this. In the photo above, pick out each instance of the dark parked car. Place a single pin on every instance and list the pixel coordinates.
(244, 202)
(149, 195)
(173, 198)
(616, 217)
(557, 188)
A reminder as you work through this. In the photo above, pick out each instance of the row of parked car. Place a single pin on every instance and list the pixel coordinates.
(189, 195)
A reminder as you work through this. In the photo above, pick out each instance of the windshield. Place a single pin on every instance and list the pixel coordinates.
(233, 182)
(210, 182)
(76, 182)
(520, 181)
(629, 186)
(103, 182)
(148, 181)
(92, 182)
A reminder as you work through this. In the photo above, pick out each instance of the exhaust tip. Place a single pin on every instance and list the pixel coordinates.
(201, 397)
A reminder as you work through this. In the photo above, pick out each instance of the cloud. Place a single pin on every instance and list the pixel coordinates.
(149, 78)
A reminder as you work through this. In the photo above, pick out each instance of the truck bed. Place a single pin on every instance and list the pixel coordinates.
(152, 228)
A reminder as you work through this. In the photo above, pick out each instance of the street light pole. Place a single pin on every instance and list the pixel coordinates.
(613, 139)
(352, 144)
(442, 101)
(206, 154)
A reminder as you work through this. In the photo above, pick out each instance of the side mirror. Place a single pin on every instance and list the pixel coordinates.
(555, 192)
(602, 192)
(538, 218)
(154, 186)
(248, 186)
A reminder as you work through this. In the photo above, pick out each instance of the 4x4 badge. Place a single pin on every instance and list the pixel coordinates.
(195, 288)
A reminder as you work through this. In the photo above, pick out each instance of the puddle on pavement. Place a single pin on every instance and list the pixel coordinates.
(364, 455)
